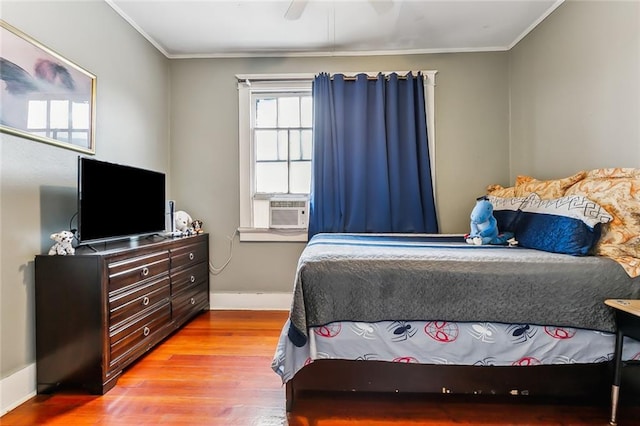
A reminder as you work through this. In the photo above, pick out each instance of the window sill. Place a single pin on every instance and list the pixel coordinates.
(266, 234)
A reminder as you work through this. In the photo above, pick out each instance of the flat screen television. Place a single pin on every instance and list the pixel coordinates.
(117, 201)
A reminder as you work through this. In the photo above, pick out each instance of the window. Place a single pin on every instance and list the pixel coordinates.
(282, 142)
(275, 153)
(61, 119)
(275, 136)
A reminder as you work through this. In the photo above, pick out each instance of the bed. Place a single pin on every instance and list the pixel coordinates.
(431, 313)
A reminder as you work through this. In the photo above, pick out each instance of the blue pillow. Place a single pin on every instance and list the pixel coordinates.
(506, 211)
(568, 225)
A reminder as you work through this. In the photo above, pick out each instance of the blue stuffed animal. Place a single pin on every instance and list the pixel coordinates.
(484, 228)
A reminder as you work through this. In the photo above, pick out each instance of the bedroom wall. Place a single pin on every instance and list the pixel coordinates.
(38, 181)
(471, 116)
(575, 91)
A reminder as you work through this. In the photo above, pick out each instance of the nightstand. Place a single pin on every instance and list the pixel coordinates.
(627, 324)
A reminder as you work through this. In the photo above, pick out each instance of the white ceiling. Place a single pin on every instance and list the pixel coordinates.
(228, 28)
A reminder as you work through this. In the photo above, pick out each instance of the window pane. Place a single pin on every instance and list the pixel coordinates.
(283, 145)
(80, 138)
(59, 115)
(306, 111)
(271, 177)
(289, 112)
(306, 144)
(266, 112)
(300, 179)
(282, 155)
(37, 115)
(266, 145)
(294, 145)
(80, 115)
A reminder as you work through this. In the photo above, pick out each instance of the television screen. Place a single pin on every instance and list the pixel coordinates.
(117, 201)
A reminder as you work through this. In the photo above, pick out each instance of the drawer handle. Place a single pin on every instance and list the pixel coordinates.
(193, 301)
(191, 256)
(192, 279)
(146, 331)
(145, 271)
(145, 301)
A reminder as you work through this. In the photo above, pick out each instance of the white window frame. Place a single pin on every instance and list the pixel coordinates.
(248, 83)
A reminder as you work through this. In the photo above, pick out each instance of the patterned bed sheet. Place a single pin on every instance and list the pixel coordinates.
(441, 342)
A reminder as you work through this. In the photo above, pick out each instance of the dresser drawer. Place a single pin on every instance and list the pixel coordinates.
(189, 302)
(130, 271)
(189, 255)
(126, 338)
(126, 305)
(187, 278)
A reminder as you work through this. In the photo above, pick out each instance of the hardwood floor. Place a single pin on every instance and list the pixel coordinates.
(216, 371)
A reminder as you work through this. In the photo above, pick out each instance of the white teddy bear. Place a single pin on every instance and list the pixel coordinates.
(63, 245)
(183, 221)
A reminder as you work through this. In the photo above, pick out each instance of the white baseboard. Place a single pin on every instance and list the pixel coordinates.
(17, 388)
(251, 301)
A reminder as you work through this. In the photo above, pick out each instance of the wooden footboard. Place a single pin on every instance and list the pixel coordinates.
(590, 382)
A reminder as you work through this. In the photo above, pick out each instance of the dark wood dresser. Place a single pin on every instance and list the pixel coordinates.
(101, 309)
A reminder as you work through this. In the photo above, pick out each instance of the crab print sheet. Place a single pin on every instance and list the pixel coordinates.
(441, 342)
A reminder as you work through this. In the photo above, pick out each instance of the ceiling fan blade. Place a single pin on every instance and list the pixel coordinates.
(296, 7)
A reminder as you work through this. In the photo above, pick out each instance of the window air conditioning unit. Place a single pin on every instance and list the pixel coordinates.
(288, 213)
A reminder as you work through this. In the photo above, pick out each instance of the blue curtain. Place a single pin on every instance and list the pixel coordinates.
(371, 169)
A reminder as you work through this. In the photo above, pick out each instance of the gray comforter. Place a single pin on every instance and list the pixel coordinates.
(349, 277)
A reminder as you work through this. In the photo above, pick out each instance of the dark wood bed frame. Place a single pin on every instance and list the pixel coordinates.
(588, 383)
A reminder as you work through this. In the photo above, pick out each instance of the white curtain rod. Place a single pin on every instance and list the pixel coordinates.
(402, 75)
(430, 74)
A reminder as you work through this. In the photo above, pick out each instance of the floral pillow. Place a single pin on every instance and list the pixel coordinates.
(500, 191)
(618, 191)
(526, 185)
(546, 189)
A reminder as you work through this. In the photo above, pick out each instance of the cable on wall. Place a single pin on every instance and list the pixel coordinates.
(214, 270)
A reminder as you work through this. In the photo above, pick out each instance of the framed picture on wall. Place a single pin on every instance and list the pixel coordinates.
(43, 96)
